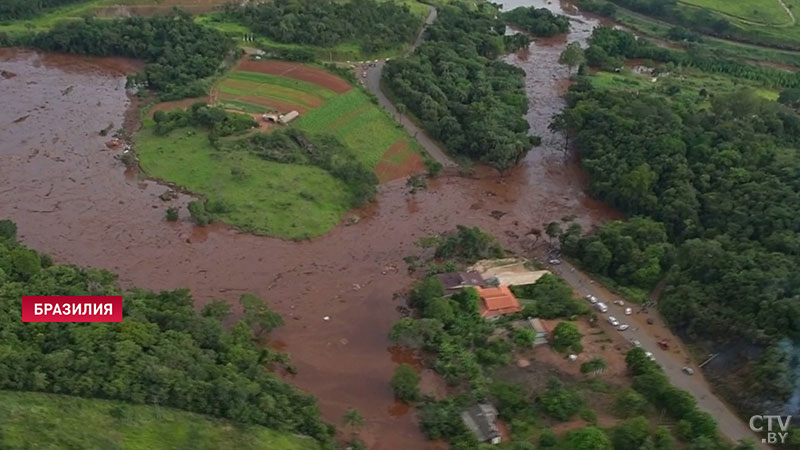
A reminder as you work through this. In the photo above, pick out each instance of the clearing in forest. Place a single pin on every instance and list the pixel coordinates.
(765, 12)
(288, 200)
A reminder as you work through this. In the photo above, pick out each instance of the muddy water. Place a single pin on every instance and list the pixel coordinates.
(71, 198)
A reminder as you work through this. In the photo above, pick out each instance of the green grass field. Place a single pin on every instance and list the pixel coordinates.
(360, 124)
(689, 82)
(54, 422)
(767, 12)
(282, 200)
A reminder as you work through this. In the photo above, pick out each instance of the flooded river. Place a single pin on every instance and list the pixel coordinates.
(73, 199)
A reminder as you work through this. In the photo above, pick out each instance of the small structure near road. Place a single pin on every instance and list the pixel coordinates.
(481, 420)
(542, 334)
(455, 281)
(497, 302)
(509, 271)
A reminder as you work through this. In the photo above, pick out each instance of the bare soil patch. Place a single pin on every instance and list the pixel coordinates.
(298, 72)
(166, 106)
(399, 161)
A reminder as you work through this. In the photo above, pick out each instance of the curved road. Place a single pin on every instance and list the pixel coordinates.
(373, 83)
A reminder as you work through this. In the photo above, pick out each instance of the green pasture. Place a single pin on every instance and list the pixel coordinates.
(55, 422)
(282, 200)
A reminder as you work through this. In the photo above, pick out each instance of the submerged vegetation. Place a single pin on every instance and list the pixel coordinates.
(181, 55)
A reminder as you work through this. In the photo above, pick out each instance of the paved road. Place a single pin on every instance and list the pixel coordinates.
(373, 83)
(672, 360)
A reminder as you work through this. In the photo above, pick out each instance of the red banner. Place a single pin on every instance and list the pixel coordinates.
(65, 308)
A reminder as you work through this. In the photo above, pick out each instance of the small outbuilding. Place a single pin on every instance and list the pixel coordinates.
(455, 281)
(288, 117)
(481, 420)
(540, 330)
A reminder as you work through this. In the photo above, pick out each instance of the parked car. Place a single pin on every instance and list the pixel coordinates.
(600, 306)
(554, 261)
(611, 319)
(663, 344)
(622, 327)
(636, 343)
(592, 299)
(628, 311)
(688, 370)
(619, 302)
(650, 356)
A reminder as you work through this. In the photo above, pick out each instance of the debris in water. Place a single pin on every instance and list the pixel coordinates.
(21, 119)
(326, 318)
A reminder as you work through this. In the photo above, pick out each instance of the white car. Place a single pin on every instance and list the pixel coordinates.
(554, 261)
(688, 370)
(628, 311)
(623, 327)
(619, 302)
(636, 343)
(611, 319)
(592, 299)
(650, 356)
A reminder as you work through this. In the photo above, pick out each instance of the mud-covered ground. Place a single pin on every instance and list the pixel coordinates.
(73, 199)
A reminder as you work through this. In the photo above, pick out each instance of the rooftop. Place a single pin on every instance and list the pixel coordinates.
(480, 419)
(498, 301)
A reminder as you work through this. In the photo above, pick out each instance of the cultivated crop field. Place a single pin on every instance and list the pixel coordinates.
(291, 201)
(47, 421)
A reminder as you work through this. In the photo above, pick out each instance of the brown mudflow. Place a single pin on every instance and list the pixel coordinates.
(72, 199)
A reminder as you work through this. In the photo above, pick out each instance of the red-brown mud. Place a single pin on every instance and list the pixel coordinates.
(72, 199)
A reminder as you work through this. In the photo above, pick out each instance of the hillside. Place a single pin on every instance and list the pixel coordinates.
(47, 421)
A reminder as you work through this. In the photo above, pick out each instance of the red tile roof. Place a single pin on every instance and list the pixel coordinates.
(498, 301)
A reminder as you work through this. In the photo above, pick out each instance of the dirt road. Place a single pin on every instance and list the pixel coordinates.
(373, 83)
(671, 361)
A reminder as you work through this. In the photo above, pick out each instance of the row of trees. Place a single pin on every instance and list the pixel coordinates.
(321, 150)
(374, 25)
(716, 184)
(538, 21)
(609, 47)
(163, 352)
(23, 9)
(213, 118)
(461, 93)
(180, 54)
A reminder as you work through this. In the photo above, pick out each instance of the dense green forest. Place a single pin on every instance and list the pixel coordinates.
(23, 9)
(715, 181)
(180, 54)
(374, 25)
(460, 92)
(538, 21)
(610, 47)
(163, 352)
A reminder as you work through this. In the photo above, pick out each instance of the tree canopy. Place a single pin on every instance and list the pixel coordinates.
(163, 352)
(461, 93)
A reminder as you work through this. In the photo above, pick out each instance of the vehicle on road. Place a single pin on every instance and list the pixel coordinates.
(688, 370)
(592, 299)
(663, 344)
(622, 327)
(649, 321)
(628, 311)
(619, 302)
(611, 319)
(650, 356)
(636, 343)
(602, 307)
(554, 261)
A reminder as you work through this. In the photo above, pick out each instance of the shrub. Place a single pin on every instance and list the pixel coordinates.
(405, 383)
(172, 214)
